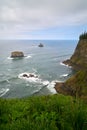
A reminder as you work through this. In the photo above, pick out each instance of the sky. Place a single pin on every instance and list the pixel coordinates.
(42, 19)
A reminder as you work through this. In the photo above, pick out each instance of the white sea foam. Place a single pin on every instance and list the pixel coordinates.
(3, 91)
(51, 87)
(45, 82)
(27, 57)
(61, 63)
(35, 77)
(36, 91)
(10, 58)
(64, 75)
(7, 80)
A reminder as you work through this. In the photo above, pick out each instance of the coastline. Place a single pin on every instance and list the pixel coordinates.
(60, 87)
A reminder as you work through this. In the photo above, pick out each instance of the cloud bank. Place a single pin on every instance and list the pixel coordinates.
(18, 18)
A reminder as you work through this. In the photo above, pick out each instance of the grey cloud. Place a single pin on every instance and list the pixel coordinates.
(21, 15)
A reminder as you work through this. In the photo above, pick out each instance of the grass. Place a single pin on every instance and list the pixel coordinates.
(55, 112)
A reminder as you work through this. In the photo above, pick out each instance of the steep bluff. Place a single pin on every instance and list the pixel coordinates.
(79, 59)
(77, 84)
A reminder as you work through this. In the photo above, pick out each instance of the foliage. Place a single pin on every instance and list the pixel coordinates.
(78, 84)
(55, 112)
(83, 36)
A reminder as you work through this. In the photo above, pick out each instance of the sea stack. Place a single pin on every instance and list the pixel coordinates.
(40, 45)
(16, 54)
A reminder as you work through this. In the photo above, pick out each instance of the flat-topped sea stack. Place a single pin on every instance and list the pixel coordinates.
(17, 54)
(77, 84)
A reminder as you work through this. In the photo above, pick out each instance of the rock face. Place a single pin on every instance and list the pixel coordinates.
(77, 84)
(17, 54)
(79, 59)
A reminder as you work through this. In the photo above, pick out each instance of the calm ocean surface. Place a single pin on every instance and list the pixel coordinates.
(45, 62)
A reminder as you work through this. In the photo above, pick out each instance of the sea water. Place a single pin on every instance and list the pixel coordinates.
(46, 62)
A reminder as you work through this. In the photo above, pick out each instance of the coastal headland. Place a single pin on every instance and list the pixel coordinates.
(77, 84)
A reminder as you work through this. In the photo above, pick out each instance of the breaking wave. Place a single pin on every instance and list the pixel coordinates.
(27, 57)
(61, 63)
(32, 77)
(64, 75)
(51, 87)
(10, 58)
(3, 91)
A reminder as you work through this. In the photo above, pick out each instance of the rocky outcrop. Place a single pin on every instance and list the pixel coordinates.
(17, 54)
(40, 45)
(77, 84)
(79, 59)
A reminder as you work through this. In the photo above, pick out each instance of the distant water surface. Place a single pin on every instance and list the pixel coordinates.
(46, 62)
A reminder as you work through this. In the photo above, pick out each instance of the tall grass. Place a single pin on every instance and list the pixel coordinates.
(55, 112)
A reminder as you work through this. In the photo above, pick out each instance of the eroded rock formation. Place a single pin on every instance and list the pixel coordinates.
(17, 54)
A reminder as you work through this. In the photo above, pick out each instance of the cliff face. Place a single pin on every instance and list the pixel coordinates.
(79, 59)
(77, 84)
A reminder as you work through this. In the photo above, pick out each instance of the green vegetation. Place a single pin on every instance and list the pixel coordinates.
(55, 112)
(79, 59)
(83, 36)
(78, 84)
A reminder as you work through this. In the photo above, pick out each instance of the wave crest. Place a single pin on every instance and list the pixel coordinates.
(64, 75)
(31, 77)
(3, 91)
(61, 63)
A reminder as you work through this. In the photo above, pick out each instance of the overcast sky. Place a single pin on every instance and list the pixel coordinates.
(42, 19)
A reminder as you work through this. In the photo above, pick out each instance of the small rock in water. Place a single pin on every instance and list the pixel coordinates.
(40, 45)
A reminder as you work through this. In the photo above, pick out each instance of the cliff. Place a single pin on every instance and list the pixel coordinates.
(77, 84)
(79, 59)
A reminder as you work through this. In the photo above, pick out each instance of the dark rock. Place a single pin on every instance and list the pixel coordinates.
(30, 75)
(40, 45)
(25, 75)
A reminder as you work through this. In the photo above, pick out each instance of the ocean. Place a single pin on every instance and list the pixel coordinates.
(45, 62)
